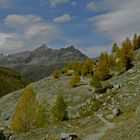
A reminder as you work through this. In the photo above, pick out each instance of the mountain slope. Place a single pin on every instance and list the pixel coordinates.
(42, 61)
(84, 107)
(11, 80)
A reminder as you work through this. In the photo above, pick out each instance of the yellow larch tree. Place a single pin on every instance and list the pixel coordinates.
(126, 51)
(88, 67)
(75, 80)
(102, 70)
(56, 74)
(24, 118)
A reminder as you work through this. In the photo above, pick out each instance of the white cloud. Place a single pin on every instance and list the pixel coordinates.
(63, 18)
(123, 20)
(74, 3)
(41, 29)
(9, 42)
(91, 6)
(29, 32)
(105, 5)
(57, 2)
(4, 37)
(16, 21)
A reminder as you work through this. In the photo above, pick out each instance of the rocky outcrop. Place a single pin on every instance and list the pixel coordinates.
(116, 111)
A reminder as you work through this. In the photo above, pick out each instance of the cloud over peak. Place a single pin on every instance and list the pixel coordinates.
(29, 31)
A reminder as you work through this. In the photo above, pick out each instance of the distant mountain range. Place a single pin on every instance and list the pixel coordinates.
(42, 61)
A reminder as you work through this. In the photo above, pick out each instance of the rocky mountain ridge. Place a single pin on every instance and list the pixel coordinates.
(42, 61)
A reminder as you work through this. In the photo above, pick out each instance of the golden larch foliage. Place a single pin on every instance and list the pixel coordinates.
(102, 70)
(75, 79)
(24, 118)
(88, 67)
(65, 71)
(126, 51)
(56, 74)
(112, 61)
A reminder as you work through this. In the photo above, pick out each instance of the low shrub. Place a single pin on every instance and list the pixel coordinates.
(56, 74)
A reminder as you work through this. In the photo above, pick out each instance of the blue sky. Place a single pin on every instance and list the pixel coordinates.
(90, 25)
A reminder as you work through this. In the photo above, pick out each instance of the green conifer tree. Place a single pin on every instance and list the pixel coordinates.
(115, 48)
(41, 118)
(59, 111)
(95, 82)
(138, 41)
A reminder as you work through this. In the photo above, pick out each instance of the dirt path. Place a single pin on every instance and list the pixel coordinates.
(101, 131)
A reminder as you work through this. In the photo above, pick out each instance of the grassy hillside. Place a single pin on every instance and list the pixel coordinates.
(11, 80)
